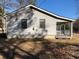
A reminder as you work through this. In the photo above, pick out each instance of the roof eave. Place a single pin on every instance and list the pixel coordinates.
(52, 14)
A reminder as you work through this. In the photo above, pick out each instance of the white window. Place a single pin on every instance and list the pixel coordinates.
(42, 23)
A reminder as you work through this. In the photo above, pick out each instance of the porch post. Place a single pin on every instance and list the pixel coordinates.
(71, 28)
(60, 29)
(64, 29)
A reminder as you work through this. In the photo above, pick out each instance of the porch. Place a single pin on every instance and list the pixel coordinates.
(64, 30)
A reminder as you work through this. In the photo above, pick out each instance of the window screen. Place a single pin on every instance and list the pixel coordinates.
(42, 23)
(24, 23)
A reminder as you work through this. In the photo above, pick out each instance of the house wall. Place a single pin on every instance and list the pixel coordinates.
(2, 24)
(14, 29)
(50, 23)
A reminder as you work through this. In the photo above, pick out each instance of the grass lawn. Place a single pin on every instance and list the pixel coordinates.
(74, 40)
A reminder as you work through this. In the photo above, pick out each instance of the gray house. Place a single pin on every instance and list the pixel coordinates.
(33, 22)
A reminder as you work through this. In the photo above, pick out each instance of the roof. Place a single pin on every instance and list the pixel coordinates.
(46, 12)
(51, 14)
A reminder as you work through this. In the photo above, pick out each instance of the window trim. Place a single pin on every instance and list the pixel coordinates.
(42, 23)
(23, 23)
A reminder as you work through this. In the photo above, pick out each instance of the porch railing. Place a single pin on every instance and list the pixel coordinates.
(63, 33)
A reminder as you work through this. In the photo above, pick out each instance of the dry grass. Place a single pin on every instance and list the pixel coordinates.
(31, 46)
(74, 40)
(1, 57)
(34, 47)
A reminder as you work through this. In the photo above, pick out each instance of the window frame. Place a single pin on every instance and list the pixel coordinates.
(42, 23)
(24, 23)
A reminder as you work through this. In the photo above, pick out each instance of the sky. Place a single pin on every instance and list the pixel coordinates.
(66, 8)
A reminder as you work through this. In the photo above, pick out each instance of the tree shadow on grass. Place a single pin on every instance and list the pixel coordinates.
(8, 51)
